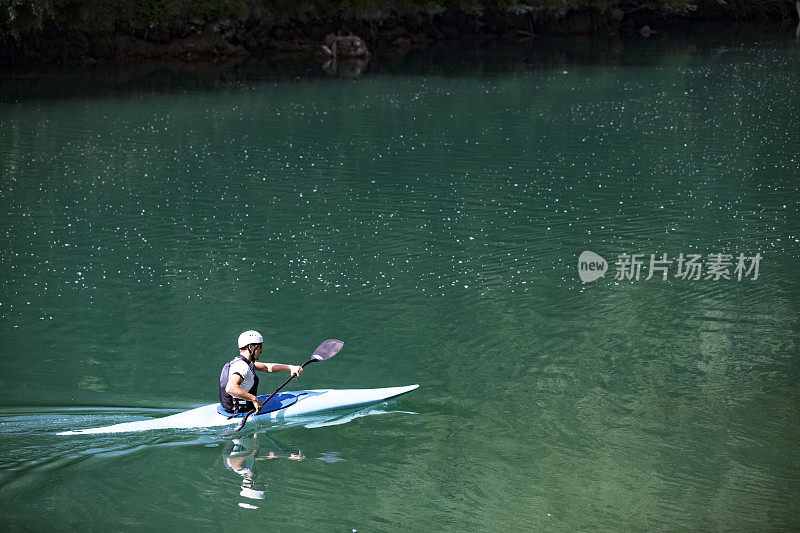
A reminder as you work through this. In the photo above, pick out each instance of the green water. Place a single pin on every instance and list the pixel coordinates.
(431, 216)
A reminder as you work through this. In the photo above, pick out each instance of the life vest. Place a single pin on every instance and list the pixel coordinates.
(229, 402)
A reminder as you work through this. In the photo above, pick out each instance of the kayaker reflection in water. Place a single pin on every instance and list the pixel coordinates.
(239, 456)
(238, 383)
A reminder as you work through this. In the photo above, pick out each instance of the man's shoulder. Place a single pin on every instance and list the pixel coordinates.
(238, 365)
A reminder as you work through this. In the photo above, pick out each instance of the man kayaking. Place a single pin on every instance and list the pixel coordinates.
(238, 383)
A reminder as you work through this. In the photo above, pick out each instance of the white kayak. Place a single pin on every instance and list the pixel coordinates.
(286, 404)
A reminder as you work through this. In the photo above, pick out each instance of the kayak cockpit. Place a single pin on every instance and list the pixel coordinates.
(279, 401)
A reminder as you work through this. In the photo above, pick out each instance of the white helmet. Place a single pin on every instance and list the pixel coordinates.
(250, 337)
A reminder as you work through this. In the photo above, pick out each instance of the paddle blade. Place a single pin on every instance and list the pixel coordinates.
(241, 424)
(327, 349)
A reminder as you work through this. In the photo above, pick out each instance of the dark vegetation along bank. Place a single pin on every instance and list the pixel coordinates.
(89, 31)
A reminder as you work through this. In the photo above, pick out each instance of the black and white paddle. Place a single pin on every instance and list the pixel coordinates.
(324, 351)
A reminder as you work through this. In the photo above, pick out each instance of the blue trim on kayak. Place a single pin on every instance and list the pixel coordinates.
(284, 399)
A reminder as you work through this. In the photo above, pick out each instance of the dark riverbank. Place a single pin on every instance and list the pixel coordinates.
(65, 33)
(453, 59)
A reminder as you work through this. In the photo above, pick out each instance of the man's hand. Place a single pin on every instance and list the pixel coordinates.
(295, 370)
(257, 404)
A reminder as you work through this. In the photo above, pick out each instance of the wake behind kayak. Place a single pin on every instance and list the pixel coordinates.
(288, 404)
